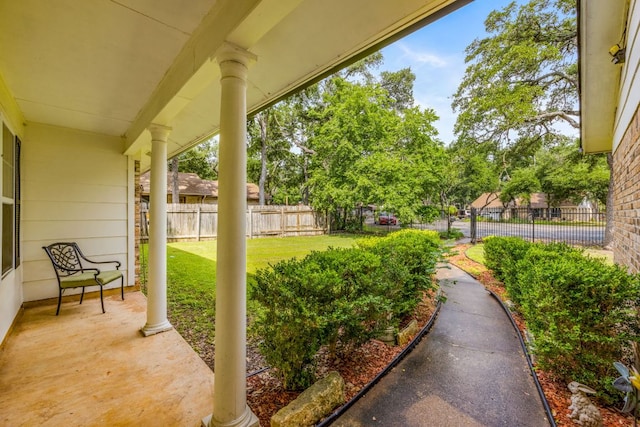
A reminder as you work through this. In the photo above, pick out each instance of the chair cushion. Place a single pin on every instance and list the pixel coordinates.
(109, 276)
(89, 279)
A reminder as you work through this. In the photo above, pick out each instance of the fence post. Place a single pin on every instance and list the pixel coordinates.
(473, 231)
(250, 212)
(533, 225)
(198, 226)
(283, 222)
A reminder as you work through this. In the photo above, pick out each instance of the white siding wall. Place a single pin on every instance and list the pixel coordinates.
(11, 284)
(75, 188)
(630, 85)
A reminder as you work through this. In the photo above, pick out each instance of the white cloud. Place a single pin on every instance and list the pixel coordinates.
(421, 57)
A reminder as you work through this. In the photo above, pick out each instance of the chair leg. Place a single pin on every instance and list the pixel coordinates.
(82, 295)
(101, 300)
(122, 287)
(59, 300)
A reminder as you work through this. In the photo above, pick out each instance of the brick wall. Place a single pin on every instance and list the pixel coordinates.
(626, 198)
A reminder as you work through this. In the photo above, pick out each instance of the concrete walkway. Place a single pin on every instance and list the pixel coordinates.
(470, 370)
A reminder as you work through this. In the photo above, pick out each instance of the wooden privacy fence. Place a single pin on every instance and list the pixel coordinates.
(200, 222)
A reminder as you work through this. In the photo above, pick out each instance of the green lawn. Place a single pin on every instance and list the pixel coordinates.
(476, 253)
(191, 276)
(262, 252)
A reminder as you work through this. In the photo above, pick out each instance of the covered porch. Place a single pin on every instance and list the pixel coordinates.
(92, 94)
(88, 368)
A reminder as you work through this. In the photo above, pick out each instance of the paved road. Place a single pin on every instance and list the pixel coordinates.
(589, 235)
(585, 235)
(469, 371)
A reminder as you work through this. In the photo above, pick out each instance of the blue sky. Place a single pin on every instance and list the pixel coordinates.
(436, 56)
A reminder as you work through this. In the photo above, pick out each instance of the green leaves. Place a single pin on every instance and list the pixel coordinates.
(523, 183)
(579, 309)
(521, 81)
(339, 297)
(366, 152)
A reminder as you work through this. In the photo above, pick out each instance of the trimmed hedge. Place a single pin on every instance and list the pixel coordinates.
(339, 297)
(409, 259)
(581, 311)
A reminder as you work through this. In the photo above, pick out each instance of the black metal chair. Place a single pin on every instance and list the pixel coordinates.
(67, 259)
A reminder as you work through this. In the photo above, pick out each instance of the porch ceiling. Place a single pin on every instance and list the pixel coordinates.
(115, 66)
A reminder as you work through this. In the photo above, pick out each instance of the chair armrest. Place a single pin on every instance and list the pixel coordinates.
(117, 263)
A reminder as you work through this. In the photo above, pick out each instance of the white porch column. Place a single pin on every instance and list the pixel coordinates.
(157, 288)
(229, 396)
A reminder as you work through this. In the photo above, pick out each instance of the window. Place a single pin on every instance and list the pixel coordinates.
(10, 200)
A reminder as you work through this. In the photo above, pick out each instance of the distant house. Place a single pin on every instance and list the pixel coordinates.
(488, 201)
(194, 190)
(489, 205)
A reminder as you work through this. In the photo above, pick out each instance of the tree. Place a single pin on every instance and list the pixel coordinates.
(399, 85)
(271, 161)
(201, 160)
(565, 174)
(468, 172)
(267, 144)
(175, 184)
(521, 82)
(350, 140)
(522, 185)
(365, 151)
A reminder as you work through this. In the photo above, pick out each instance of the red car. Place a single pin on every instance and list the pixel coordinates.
(387, 219)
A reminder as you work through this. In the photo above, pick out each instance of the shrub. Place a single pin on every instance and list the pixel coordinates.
(354, 306)
(580, 310)
(534, 256)
(328, 296)
(338, 297)
(581, 313)
(501, 256)
(283, 315)
(409, 258)
(454, 233)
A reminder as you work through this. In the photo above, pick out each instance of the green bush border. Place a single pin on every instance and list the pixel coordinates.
(580, 310)
(339, 298)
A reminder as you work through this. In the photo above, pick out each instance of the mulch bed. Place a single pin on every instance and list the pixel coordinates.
(357, 366)
(556, 392)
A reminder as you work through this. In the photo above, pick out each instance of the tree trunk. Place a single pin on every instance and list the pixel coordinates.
(305, 186)
(175, 185)
(608, 231)
(262, 119)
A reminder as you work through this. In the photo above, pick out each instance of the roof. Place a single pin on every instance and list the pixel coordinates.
(492, 200)
(190, 184)
(116, 67)
(487, 200)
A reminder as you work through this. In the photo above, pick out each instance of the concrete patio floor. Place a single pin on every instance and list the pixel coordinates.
(85, 368)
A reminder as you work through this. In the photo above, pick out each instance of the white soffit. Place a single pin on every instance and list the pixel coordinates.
(308, 40)
(115, 66)
(601, 26)
(91, 65)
